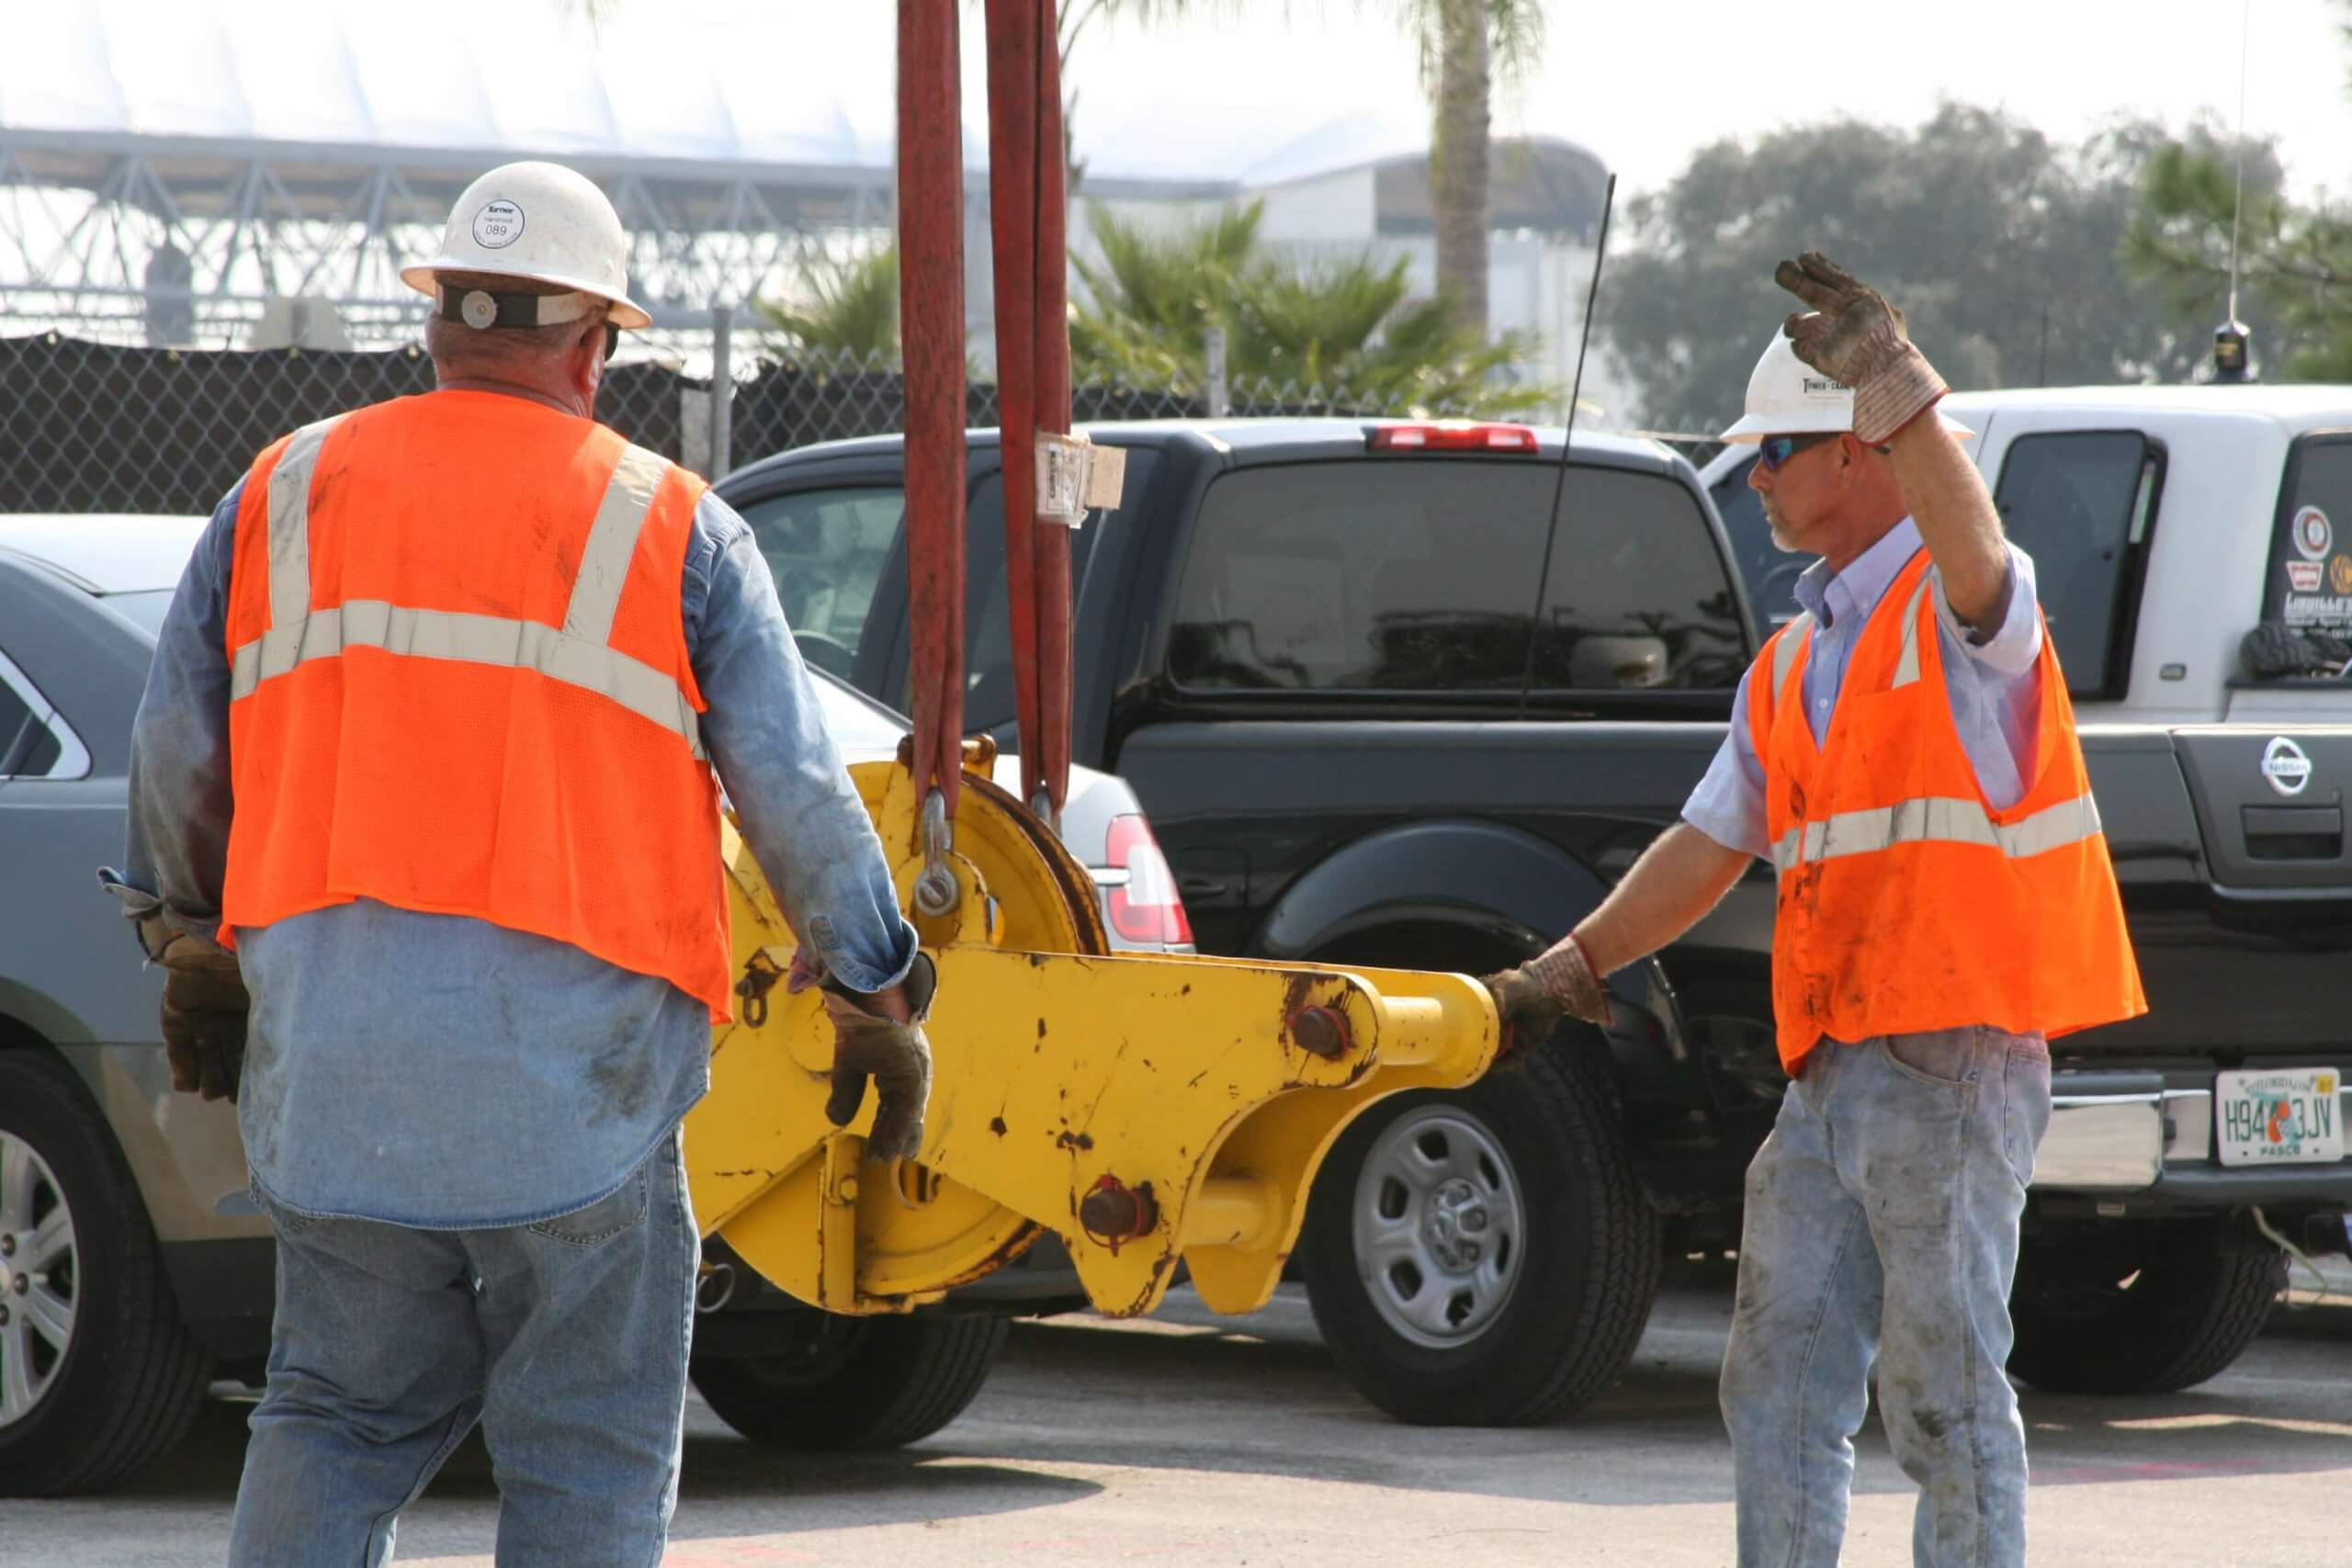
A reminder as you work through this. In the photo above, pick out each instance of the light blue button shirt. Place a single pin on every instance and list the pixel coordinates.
(1995, 701)
(442, 1072)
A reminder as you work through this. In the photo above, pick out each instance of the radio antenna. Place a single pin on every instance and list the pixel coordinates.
(1567, 434)
(2231, 360)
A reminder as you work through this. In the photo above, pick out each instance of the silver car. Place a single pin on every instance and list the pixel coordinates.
(133, 1269)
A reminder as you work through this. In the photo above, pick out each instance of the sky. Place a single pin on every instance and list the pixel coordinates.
(1279, 88)
(1645, 86)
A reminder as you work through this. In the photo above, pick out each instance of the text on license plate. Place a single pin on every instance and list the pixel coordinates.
(2292, 1116)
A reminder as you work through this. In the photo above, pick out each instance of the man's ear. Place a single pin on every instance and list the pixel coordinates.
(587, 360)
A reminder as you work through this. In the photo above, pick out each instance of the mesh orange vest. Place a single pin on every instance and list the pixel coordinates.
(1907, 903)
(459, 684)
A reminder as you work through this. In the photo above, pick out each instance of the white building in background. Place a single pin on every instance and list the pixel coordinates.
(1546, 205)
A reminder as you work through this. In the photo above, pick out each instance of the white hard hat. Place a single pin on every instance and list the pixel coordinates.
(541, 221)
(1788, 397)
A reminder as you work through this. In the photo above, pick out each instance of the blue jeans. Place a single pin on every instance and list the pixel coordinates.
(1881, 1228)
(566, 1339)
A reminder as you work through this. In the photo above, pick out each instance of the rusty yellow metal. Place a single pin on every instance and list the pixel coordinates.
(1209, 1089)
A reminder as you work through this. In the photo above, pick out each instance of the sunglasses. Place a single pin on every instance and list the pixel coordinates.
(1775, 450)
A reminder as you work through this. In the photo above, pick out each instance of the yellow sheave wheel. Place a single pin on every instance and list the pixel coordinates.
(1146, 1107)
(757, 1144)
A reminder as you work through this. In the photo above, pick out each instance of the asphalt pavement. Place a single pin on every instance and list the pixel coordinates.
(1202, 1440)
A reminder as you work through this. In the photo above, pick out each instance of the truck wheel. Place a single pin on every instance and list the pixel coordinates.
(2142, 1307)
(98, 1374)
(848, 1383)
(1485, 1258)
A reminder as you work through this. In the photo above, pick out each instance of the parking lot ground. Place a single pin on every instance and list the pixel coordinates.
(1199, 1440)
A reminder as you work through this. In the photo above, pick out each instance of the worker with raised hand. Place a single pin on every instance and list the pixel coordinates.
(429, 762)
(1904, 754)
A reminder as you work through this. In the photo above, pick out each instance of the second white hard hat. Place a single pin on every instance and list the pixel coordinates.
(1788, 397)
(540, 221)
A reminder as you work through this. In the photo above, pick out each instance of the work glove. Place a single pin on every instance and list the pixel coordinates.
(1853, 335)
(1533, 997)
(204, 1015)
(896, 1055)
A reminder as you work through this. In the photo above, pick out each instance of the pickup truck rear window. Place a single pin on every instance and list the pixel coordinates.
(1637, 596)
(2309, 582)
(2080, 504)
(1386, 574)
(1428, 575)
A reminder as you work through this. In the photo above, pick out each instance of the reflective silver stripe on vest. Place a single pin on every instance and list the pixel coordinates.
(1784, 653)
(612, 543)
(569, 655)
(1906, 667)
(289, 523)
(1936, 820)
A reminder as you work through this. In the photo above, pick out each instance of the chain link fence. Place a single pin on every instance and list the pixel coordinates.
(96, 427)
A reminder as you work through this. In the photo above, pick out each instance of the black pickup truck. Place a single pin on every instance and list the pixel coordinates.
(1396, 694)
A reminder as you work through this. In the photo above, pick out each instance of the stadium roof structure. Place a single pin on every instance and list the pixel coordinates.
(164, 171)
(168, 169)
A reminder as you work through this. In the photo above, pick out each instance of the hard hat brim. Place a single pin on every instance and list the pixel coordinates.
(624, 315)
(1752, 428)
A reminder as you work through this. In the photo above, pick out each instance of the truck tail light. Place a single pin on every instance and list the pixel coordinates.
(1452, 436)
(1146, 907)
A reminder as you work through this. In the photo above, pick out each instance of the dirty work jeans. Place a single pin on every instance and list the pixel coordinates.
(1881, 1227)
(566, 1339)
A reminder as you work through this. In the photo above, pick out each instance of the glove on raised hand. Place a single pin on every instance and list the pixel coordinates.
(205, 1005)
(896, 1055)
(1853, 335)
(1533, 998)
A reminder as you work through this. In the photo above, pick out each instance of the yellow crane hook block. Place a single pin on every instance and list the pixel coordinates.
(1144, 1108)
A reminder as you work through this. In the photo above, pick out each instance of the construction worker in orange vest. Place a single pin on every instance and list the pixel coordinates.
(1904, 754)
(425, 826)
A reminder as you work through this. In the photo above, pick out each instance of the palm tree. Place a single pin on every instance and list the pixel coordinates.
(1466, 47)
(1347, 327)
(851, 309)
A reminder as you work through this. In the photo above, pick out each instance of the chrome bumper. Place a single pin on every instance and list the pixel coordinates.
(2130, 1132)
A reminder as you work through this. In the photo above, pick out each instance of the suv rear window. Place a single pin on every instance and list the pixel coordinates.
(2080, 504)
(1392, 574)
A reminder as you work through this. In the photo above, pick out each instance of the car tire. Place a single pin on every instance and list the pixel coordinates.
(1539, 1151)
(854, 1384)
(81, 1266)
(2140, 1307)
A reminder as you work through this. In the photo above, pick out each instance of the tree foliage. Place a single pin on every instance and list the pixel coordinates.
(1150, 299)
(2294, 272)
(1466, 49)
(849, 308)
(2000, 246)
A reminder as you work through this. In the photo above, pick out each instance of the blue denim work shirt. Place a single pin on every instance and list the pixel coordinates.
(442, 1072)
(1996, 702)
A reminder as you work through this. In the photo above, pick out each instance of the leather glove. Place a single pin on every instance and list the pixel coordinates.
(896, 1055)
(1534, 997)
(204, 1015)
(1853, 335)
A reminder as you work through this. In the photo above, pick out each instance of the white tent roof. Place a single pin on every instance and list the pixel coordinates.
(504, 78)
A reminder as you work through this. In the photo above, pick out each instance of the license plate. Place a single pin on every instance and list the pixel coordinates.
(2279, 1117)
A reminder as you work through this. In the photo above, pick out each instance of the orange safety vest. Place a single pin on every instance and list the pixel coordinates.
(1907, 903)
(459, 684)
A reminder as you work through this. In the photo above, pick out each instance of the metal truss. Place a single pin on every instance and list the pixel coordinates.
(175, 241)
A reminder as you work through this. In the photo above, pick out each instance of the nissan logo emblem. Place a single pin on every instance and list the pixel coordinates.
(2286, 766)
